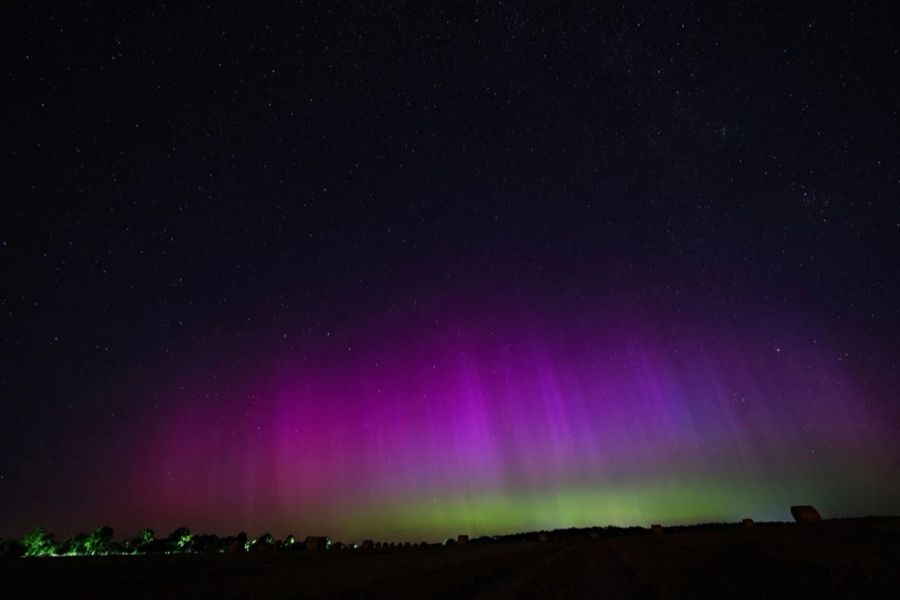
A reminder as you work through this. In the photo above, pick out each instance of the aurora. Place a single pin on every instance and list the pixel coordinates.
(496, 417)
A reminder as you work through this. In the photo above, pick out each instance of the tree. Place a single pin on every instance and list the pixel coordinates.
(11, 549)
(99, 541)
(75, 546)
(38, 542)
(242, 538)
(142, 541)
(266, 538)
(180, 540)
(206, 543)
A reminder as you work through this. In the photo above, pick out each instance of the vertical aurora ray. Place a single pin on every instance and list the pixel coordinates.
(499, 424)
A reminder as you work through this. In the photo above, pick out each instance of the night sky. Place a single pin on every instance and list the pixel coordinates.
(409, 271)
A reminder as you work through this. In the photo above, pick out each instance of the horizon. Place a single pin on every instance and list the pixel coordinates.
(352, 542)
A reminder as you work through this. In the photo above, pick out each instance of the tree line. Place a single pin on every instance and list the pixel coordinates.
(40, 542)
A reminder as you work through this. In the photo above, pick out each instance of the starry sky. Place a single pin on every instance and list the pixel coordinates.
(405, 271)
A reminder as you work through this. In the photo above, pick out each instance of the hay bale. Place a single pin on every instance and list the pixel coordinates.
(462, 539)
(747, 522)
(805, 514)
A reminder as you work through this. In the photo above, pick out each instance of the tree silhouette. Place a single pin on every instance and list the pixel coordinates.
(180, 540)
(38, 542)
(142, 541)
(11, 549)
(74, 546)
(99, 541)
(265, 538)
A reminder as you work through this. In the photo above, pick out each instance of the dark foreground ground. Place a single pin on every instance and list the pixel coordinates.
(836, 559)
